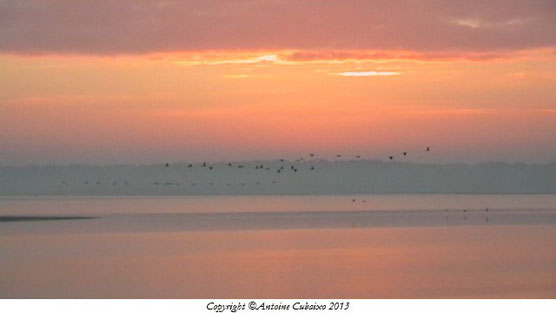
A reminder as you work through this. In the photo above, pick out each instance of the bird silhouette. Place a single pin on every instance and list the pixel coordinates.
(167, 165)
(428, 149)
(391, 157)
(190, 165)
(405, 153)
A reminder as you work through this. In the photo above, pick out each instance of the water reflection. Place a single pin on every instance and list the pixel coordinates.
(132, 258)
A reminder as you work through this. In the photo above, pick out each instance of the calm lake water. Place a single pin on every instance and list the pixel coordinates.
(396, 246)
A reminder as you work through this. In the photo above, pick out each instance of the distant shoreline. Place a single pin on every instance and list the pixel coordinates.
(310, 177)
(6, 219)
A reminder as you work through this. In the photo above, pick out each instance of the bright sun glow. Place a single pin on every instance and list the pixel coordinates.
(369, 73)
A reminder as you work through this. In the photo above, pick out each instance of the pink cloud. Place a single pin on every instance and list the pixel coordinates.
(343, 55)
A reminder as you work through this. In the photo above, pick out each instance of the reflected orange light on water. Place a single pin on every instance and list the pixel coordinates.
(438, 262)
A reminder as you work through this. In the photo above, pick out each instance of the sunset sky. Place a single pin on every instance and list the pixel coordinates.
(141, 81)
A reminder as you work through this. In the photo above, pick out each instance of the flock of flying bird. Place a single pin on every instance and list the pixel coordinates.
(259, 166)
(291, 168)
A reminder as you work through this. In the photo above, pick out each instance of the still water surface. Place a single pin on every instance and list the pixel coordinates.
(398, 246)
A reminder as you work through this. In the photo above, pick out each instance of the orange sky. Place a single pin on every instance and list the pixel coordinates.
(63, 104)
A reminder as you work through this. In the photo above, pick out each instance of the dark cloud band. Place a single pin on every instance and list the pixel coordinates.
(142, 26)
